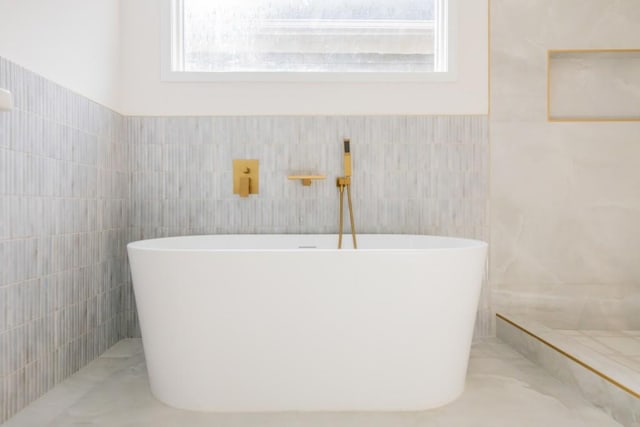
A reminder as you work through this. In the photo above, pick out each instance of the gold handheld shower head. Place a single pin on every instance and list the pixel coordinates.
(347, 158)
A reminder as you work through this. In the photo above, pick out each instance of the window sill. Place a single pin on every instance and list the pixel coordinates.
(308, 77)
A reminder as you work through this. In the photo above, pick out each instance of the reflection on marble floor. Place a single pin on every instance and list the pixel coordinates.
(503, 389)
(588, 370)
(622, 347)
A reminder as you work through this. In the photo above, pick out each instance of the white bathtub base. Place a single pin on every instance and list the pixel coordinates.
(307, 330)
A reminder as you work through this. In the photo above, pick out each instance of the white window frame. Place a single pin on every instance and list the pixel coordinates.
(172, 35)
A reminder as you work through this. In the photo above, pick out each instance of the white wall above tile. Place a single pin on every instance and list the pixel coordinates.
(74, 43)
(145, 94)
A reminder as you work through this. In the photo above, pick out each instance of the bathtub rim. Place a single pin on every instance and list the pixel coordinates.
(469, 244)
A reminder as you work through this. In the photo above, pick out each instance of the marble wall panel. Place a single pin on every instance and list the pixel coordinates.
(588, 85)
(565, 197)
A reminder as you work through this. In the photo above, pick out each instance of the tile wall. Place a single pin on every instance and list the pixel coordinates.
(78, 181)
(64, 194)
(411, 174)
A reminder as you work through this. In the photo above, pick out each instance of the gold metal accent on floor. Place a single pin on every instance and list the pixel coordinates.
(571, 357)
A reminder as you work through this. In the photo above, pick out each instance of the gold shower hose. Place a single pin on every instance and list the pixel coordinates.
(353, 223)
(342, 183)
(351, 219)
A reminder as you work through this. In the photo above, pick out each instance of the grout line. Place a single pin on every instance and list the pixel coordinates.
(571, 357)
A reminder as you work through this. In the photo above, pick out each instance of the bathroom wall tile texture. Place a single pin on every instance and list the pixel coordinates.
(64, 195)
(78, 181)
(565, 197)
(411, 174)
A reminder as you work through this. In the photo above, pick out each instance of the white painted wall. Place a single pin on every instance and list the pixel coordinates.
(75, 43)
(109, 51)
(145, 94)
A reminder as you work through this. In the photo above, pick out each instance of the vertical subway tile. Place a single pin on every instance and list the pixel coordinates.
(78, 182)
(422, 174)
(62, 160)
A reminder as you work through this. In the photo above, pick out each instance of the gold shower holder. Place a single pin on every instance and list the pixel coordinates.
(343, 181)
(307, 179)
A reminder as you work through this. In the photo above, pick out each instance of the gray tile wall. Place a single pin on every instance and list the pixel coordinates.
(412, 174)
(64, 194)
(78, 181)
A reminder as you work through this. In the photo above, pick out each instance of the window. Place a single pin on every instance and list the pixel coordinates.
(212, 39)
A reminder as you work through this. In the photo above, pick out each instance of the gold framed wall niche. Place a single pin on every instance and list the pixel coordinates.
(593, 85)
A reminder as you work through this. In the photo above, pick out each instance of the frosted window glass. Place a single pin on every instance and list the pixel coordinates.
(310, 35)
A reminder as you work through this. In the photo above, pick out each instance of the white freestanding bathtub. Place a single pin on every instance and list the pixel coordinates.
(249, 323)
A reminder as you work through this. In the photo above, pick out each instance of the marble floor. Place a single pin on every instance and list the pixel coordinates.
(622, 347)
(503, 389)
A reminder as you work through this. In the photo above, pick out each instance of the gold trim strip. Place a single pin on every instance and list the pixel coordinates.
(571, 357)
(549, 118)
(594, 50)
(582, 119)
(594, 119)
